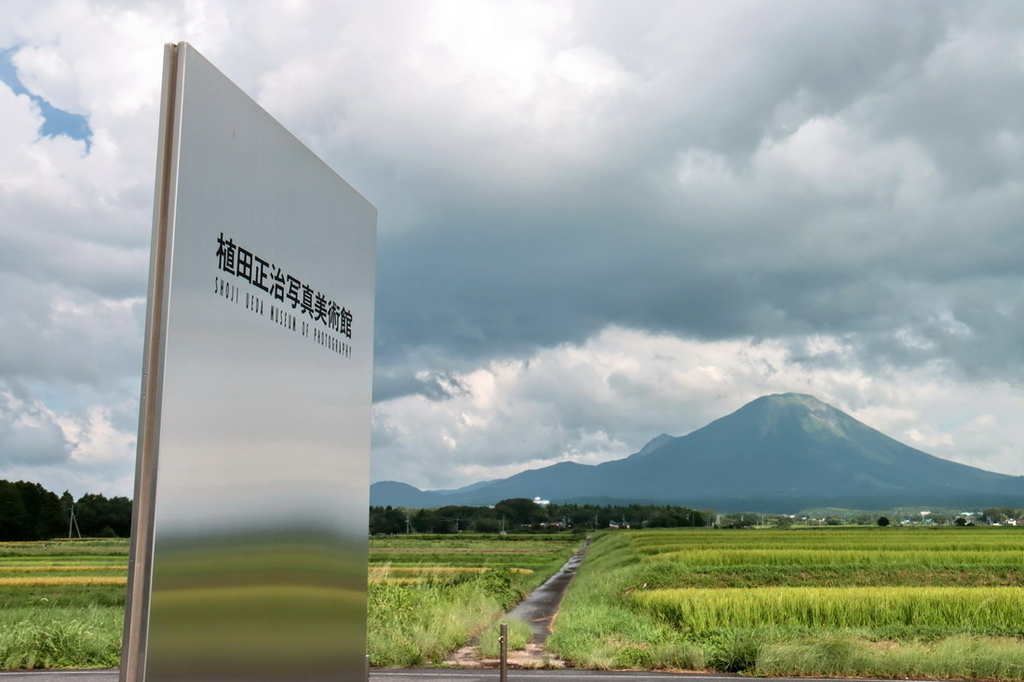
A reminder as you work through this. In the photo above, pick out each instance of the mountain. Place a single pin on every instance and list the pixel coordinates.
(653, 445)
(398, 494)
(779, 453)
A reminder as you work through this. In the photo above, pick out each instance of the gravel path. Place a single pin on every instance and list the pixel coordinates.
(539, 610)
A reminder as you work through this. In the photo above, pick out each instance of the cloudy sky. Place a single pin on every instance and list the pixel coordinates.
(598, 221)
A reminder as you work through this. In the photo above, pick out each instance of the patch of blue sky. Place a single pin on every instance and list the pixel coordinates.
(55, 121)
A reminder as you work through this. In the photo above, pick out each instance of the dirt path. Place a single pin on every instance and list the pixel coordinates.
(538, 609)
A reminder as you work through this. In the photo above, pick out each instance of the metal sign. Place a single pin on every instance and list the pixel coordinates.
(249, 541)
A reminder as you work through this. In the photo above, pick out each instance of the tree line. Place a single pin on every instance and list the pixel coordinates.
(519, 515)
(522, 515)
(28, 511)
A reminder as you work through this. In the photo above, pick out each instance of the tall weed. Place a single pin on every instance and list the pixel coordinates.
(421, 623)
(867, 602)
(61, 638)
(963, 609)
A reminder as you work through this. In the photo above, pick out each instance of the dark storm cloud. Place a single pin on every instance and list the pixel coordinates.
(435, 386)
(597, 222)
(29, 433)
(51, 334)
(495, 272)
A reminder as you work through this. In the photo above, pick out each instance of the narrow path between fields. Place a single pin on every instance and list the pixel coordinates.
(538, 609)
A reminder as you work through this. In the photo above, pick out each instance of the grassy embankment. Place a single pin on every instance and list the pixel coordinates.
(429, 594)
(939, 603)
(62, 603)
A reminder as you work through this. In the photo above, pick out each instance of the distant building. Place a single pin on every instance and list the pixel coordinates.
(541, 503)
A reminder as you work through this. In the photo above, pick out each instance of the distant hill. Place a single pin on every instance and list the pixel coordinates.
(779, 453)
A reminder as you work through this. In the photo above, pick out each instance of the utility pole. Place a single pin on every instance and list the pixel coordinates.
(73, 523)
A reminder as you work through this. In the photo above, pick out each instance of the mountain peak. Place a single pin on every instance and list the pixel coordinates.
(653, 445)
(780, 453)
(796, 411)
(802, 399)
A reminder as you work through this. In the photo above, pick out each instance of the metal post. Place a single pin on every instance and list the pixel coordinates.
(367, 667)
(503, 642)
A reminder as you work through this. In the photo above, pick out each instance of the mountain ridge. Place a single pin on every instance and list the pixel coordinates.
(778, 453)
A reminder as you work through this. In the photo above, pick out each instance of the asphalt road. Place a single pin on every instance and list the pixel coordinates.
(60, 676)
(406, 675)
(492, 675)
(443, 675)
(540, 606)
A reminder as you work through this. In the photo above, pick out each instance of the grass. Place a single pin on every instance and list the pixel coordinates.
(428, 595)
(55, 637)
(954, 657)
(979, 610)
(519, 635)
(421, 623)
(852, 560)
(867, 602)
(887, 603)
(62, 603)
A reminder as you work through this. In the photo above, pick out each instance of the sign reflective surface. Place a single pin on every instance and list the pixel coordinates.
(249, 548)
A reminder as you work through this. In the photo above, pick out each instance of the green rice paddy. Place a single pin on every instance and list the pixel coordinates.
(941, 603)
(887, 602)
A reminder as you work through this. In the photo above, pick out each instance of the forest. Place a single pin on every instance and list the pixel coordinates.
(523, 515)
(28, 511)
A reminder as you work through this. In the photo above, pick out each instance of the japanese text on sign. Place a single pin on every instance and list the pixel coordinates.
(286, 288)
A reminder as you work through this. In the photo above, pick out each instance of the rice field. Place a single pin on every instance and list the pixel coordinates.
(981, 609)
(885, 602)
(419, 557)
(428, 594)
(943, 603)
(62, 603)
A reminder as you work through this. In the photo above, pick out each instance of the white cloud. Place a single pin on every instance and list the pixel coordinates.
(29, 432)
(700, 171)
(604, 399)
(97, 59)
(780, 208)
(89, 449)
(95, 440)
(491, 92)
(830, 157)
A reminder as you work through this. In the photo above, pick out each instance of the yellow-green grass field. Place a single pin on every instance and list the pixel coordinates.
(62, 602)
(878, 602)
(428, 594)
